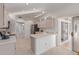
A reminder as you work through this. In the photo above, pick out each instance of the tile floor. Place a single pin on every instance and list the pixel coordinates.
(52, 51)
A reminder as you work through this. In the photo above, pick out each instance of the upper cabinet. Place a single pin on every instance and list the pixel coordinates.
(46, 23)
(1, 15)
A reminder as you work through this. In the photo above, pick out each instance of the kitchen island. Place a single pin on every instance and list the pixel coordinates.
(41, 42)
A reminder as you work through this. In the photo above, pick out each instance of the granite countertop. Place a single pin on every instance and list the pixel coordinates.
(12, 39)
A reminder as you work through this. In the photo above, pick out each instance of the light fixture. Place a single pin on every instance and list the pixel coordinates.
(27, 3)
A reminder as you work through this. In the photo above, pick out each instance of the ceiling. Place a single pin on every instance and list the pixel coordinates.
(31, 15)
(54, 9)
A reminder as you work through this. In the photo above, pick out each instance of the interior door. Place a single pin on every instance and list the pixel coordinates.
(75, 40)
(66, 39)
(64, 33)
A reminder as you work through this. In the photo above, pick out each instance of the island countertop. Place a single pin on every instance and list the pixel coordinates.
(39, 35)
(12, 39)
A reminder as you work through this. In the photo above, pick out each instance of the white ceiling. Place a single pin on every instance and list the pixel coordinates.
(31, 15)
(55, 9)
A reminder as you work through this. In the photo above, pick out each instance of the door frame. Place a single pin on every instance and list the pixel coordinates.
(59, 33)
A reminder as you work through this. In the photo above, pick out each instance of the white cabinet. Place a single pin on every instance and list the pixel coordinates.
(42, 44)
(8, 49)
(1, 15)
(47, 24)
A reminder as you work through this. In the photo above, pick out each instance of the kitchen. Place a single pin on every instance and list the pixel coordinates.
(32, 30)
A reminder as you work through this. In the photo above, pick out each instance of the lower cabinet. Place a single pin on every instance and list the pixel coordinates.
(41, 45)
(8, 49)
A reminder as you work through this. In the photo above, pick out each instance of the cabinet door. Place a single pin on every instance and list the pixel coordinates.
(8, 49)
(44, 43)
(41, 45)
(1, 15)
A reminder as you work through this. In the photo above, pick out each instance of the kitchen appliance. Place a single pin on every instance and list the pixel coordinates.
(34, 29)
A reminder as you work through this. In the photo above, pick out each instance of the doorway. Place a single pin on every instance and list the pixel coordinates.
(64, 33)
(75, 32)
